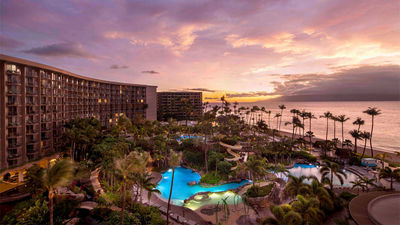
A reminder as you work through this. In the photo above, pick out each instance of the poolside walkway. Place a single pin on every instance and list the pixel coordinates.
(359, 206)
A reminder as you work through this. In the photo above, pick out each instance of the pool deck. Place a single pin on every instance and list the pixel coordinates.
(359, 206)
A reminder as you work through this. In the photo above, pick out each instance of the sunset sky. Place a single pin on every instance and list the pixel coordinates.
(247, 50)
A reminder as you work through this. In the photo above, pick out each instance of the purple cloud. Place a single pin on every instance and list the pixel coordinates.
(61, 50)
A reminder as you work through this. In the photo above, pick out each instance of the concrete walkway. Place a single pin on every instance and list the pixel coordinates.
(359, 206)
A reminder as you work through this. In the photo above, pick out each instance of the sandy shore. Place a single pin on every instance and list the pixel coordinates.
(360, 149)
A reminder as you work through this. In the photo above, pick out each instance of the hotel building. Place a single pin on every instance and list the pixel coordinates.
(173, 104)
(36, 100)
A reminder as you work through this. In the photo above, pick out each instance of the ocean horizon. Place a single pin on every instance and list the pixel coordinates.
(386, 135)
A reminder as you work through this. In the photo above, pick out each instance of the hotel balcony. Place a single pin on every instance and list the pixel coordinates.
(13, 156)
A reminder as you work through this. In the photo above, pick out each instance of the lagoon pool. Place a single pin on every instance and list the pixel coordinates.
(181, 190)
(311, 169)
(183, 137)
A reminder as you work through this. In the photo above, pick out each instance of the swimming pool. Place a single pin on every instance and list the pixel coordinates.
(214, 198)
(313, 170)
(181, 190)
(183, 137)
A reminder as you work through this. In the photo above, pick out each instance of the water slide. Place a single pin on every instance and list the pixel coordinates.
(235, 155)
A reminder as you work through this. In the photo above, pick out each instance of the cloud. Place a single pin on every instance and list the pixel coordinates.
(365, 80)
(150, 72)
(115, 67)
(9, 43)
(211, 98)
(249, 94)
(201, 89)
(61, 50)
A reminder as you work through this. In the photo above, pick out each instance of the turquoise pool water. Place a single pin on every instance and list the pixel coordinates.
(181, 190)
(183, 137)
(310, 169)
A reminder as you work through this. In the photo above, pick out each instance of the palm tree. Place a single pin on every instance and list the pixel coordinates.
(57, 175)
(134, 162)
(257, 168)
(277, 116)
(310, 135)
(318, 190)
(281, 107)
(356, 134)
(342, 119)
(174, 161)
(283, 215)
(366, 136)
(296, 185)
(308, 208)
(334, 118)
(327, 115)
(358, 183)
(269, 118)
(304, 115)
(372, 112)
(387, 172)
(368, 182)
(359, 122)
(331, 169)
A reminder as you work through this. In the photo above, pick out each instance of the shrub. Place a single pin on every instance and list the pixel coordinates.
(210, 178)
(224, 168)
(255, 191)
(354, 160)
(305, 155)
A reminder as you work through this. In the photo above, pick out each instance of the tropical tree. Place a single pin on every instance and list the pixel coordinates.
(269, 118)
(327, 115)
(277, 116)
(359, 122)
(318, 190)
(388, 172)
(310, 135)
(366, 136)
(358, 184)
(356, 134)
(174, 161)
(372, 112)
(331, 169)
(334, 119)
(342, 119)
(281, 107)
(309, 209)
(296, 185)
(57, 175)
(125, 167)
(283, 215)
(257, 168)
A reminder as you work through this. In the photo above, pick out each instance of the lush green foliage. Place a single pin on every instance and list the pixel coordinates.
(256, 191)
(210, 178)
(305, 155)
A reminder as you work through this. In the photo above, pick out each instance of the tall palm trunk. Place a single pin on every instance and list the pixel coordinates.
(280, 120)
(51, 195)
(170, 194)
(365, 146)
(334, 129)
(123, 202)
(370, 140)
(355, 145)
(342, 134)
(327, 129)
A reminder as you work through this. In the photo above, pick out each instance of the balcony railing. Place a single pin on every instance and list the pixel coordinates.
(13, 156)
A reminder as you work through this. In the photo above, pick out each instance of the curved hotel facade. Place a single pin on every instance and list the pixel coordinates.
(37, 100)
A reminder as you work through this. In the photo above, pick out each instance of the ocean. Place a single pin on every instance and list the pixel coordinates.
(386, 136)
